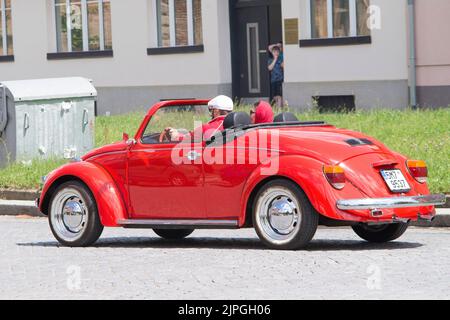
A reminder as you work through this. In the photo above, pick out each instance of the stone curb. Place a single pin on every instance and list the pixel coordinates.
(18, 208)
(21, 207)
(447, 203)
(22, 195)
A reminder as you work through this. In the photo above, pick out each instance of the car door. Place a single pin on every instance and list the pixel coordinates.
(227, 165)
(165, 180)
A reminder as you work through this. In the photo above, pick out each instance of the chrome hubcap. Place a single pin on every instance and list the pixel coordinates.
(72, 215)
(69, 214)
(279, 214)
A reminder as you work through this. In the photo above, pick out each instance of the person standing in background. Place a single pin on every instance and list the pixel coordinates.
(276, 68)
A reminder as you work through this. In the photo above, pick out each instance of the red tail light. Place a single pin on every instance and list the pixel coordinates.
(335, 176)
(418, 169)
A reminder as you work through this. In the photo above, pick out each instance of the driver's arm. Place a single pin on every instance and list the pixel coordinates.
(176, 135)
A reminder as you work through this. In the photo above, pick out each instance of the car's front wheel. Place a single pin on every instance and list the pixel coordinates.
(173, 234)
(73, 215)
(283, 217)
(380, 233)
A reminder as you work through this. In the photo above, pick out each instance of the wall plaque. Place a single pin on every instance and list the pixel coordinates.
(291, 31)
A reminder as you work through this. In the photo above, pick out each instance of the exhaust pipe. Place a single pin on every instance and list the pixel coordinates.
(429, 218)
(400, 220)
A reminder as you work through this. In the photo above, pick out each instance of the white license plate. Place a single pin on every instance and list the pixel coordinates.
(395, 180)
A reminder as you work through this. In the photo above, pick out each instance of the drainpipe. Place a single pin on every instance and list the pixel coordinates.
(412, 56)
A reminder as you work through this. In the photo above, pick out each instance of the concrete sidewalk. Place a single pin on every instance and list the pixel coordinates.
(16, 208)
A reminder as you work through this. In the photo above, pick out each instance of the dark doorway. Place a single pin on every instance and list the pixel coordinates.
(254, 25)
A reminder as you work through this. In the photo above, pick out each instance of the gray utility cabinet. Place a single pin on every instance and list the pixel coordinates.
(46, 118)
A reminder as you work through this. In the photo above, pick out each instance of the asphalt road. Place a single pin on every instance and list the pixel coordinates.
(135, 264)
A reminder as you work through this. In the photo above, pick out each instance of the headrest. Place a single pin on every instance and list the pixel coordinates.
(236, 119)
(285, 117)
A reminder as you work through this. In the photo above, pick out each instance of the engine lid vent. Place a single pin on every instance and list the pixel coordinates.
(359, 142)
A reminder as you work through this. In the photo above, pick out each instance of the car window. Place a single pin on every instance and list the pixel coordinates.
(183, 119)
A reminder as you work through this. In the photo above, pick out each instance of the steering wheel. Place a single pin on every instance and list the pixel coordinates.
(164, 136)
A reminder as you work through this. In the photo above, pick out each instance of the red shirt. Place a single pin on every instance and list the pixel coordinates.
(212, 127)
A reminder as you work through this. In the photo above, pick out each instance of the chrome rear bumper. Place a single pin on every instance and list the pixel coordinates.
(391, 203)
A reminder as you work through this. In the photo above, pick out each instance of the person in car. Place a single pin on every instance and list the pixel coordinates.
(261, 113)
(219, 107)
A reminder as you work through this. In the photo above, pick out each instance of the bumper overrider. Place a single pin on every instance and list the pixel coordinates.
(391, 203)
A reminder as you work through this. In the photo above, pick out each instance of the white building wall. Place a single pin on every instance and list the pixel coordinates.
(433, 52)
(333, 70)
(151, 77)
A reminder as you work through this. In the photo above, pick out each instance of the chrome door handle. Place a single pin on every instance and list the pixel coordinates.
(193, 155)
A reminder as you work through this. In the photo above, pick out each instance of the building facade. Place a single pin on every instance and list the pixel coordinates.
(355, 53)
(433, 52)
(367, 68)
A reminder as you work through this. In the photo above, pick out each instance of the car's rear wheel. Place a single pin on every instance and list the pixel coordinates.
(283, 217)
(380, 233)
(173, 234)
(73, 215)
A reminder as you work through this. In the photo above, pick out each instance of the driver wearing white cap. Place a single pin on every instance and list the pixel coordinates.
(219, 107)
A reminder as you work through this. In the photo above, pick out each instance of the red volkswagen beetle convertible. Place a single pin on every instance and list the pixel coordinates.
(282, 178)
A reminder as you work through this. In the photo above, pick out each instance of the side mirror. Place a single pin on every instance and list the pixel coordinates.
(127, 140)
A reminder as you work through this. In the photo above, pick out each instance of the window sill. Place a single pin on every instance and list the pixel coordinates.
(344, 41)
(79, 55)
(175, 50)
(9, 58)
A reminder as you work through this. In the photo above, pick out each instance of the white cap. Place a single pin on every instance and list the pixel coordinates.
(221, 103)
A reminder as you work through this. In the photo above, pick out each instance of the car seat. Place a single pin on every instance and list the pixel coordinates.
(236, 119)
(285, 117)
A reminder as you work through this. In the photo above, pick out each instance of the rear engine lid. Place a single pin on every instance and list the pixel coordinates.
(328, 144)
(377, 175)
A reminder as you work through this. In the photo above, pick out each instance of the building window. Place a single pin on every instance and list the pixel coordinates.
(319, 19)
(339, 18)
(6, 40)
(83, 25)
(179, 23)
(362, 15)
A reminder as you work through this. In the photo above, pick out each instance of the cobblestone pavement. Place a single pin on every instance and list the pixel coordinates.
(221, 264)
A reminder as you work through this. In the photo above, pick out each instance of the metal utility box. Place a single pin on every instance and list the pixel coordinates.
(46, 118)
